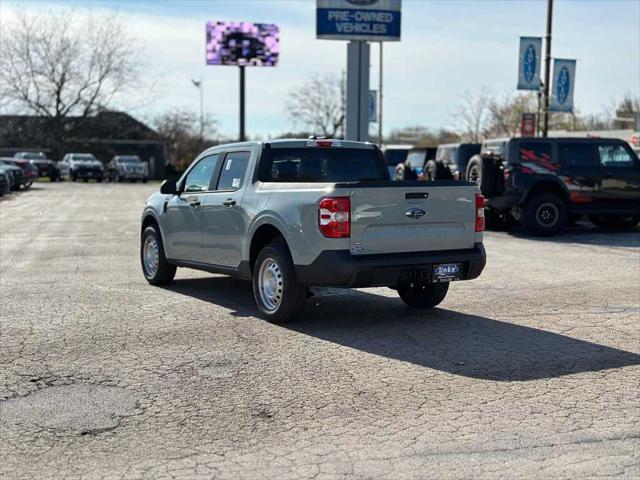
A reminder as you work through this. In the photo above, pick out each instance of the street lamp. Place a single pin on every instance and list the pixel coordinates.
(198, 85)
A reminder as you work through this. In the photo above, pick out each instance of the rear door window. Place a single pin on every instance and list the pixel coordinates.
(615, 156)
(233, 170)
(539, 152)
(576, 154)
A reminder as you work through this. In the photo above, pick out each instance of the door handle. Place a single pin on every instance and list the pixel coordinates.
(229, 202)
(194, 203)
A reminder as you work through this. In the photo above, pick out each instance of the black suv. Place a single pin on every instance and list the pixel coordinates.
(452, 158)
(548, 182)
(413, 168)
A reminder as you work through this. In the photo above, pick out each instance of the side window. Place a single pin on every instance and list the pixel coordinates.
(233, 170)
(199, 178)
(614, 156)
(576, 155)
(539, 152)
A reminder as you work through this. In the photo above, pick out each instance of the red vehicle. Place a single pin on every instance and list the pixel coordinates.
(29, 170)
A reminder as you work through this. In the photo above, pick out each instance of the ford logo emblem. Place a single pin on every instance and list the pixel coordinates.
(445, 270)
(415, 212)
(530, 63)
(564, 84)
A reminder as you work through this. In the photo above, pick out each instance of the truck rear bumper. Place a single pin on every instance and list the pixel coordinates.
(338, 268)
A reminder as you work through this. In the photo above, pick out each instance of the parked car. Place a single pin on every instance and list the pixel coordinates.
(451, 160)
(395, 154)
(127, 167)
(413, 167)
(29, 171)
(290, 214)
(548, 182)
(5, 181)
(45, 166)
(16, 173)
(82, 166)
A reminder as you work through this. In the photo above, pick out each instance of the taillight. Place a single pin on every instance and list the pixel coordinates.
(479, 213)
(334, 217)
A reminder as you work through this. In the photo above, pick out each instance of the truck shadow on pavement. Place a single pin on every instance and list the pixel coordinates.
(441, 339)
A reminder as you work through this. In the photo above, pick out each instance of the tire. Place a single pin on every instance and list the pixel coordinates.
(145, 180)
(155, 267)
(544, 214)
(431, 171)
(99, 179)
(615, 222)
(73, 177)
(279, 295)
(399, 175)
(480, 173)
(427, 295)
(120, 179)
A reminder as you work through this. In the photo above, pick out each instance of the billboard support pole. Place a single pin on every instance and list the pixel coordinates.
(357, 91)
(547, 68)
(242, 136)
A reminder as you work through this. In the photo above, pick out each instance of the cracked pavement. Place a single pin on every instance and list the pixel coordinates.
(530, 371)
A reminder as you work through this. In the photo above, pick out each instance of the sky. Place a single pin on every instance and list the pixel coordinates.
(447, 48)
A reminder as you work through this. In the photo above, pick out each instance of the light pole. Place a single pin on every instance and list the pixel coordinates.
(198, 85)
(547, 68)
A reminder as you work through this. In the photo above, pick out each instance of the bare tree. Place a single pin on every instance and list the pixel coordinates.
(319, 105)
(180, 129)
(61, 65)
(471, 115)
(505, 114)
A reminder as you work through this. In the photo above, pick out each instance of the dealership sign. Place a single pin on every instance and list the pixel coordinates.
(367, 20)
(529, 63)
(564, 75)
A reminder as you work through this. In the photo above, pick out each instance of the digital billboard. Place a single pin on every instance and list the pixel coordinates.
(242, 44)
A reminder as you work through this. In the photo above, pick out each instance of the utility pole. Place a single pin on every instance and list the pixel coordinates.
(547, 68)
(242, 136)
(380, 100)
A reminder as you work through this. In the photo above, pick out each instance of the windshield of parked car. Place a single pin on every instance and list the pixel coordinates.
(314, 164)
(33, 156)
(416, 159)
(129, 160)
(83, 157)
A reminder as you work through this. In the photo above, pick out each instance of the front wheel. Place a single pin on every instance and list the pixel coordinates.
(615, 222)
(544, 214)
(278, 293)
(155, 267)
(426, 295)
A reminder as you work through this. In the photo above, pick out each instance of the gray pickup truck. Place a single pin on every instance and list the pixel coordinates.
(290, 214)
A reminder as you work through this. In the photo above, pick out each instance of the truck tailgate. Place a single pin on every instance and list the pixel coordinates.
(392, 217)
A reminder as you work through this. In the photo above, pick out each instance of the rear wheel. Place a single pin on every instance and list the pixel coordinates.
(544, 214)
(279, 295)
(615, 222)
(426, 295)
(155, 267)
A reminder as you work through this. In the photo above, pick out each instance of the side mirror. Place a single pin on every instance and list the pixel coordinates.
(169, 187)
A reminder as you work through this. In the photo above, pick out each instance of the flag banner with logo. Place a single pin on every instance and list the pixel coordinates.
(529, 64)
(564, 76)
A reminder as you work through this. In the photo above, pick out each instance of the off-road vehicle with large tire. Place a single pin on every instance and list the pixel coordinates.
(290, 214)
(547, 183)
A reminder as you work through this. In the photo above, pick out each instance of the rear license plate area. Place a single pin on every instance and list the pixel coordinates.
(446, 272)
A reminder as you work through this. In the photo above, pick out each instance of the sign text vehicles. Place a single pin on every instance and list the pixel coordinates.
(370, 20)
(529, 63)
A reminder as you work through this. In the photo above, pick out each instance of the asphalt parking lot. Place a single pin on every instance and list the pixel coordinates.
(531, 371)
